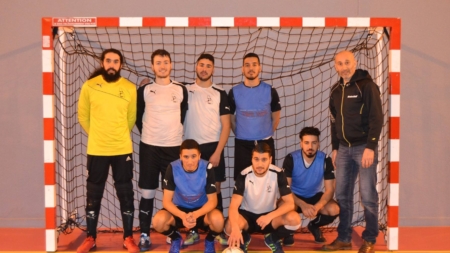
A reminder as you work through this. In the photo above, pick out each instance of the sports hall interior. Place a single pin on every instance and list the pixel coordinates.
(424, 206)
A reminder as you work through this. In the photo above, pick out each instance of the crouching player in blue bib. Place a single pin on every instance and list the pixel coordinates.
(190, 198)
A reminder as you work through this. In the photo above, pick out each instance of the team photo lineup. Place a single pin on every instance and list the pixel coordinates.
(184, 128)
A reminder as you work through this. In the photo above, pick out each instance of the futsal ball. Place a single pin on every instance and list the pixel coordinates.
(232, 250)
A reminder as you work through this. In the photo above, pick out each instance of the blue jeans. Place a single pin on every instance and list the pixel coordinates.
(348, 165)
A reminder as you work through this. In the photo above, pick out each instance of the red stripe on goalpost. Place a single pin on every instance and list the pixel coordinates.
(335, 22)
(108, 22)
(394, 172)
(394, 87)
(199, 21)
(395, 28)
(392, 216)
(47, 83)
(50, 217)
(154, 21)
(49, 129)
(250, 21)
(394, 127)
(49, 174)
(291, 22)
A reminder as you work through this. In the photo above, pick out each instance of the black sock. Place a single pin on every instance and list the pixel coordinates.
(322, 220)
(245, 235)
(219, 202)
(211, 235)
(172, 233)
(145, 214)
(282, 232)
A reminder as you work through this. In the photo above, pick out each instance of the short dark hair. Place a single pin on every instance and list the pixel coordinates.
(250, 55)
(189, 144)
(112, 50)
(309, 131)
(262, 147)
(206, 56)
(161, 52)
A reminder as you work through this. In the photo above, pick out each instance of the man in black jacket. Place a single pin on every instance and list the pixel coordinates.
(356, 122)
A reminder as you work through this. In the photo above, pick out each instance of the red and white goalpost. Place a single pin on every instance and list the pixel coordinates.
(297, 58)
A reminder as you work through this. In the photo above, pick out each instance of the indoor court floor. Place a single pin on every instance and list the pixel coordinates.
(411, 239)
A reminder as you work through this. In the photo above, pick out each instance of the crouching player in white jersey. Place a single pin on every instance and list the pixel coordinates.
(253, 206)
(189, 199)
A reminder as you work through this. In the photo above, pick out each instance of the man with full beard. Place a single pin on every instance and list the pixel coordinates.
(161, 108)
(308, 170)
(256, 106)
(208, 122)
(107, 112)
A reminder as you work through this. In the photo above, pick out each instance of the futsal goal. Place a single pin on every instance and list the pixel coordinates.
(297, 57)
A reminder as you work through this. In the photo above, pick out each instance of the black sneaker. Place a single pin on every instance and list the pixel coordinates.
(275, 246)
(317, 233)
(288, 241)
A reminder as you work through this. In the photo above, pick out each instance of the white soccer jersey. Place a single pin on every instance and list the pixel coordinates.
(260, 194)
(206, 105)
(161, 109)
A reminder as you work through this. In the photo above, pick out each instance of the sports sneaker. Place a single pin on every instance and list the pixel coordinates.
(209, 247)
(367, 247)
(317, 233)
(337, 245)
(87, 245)
(288, 241)
(244, 247)
(191, 238)
(275, 246)
(176, 244)
(222, 239)
(144, 242)
(130, 245)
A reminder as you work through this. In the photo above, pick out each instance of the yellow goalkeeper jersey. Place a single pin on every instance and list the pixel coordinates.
(107, 112)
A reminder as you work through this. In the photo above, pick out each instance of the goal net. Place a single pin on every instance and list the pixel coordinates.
(297, 61)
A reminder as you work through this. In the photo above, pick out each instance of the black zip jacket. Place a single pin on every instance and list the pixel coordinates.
(356, 112)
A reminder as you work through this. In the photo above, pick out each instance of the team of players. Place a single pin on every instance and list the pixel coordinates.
(192, 170)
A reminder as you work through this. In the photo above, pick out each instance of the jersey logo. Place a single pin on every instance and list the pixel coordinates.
(209, 100)
(213, 185)
(352, 96)
(153, 91)
(121, 93)
(142, 211)
(228, 108)
(235, 187)
(269, 188)
(250, 181)
(174, 98)
(99, 84)
(191, 91)
(128, 158)
(165, 181)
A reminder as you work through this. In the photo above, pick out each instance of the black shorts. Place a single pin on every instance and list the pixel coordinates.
(207, 150)
(153, 161)
(312, 200)
(243, 153)
(98, 168)
(200, 222)
(253, 227)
